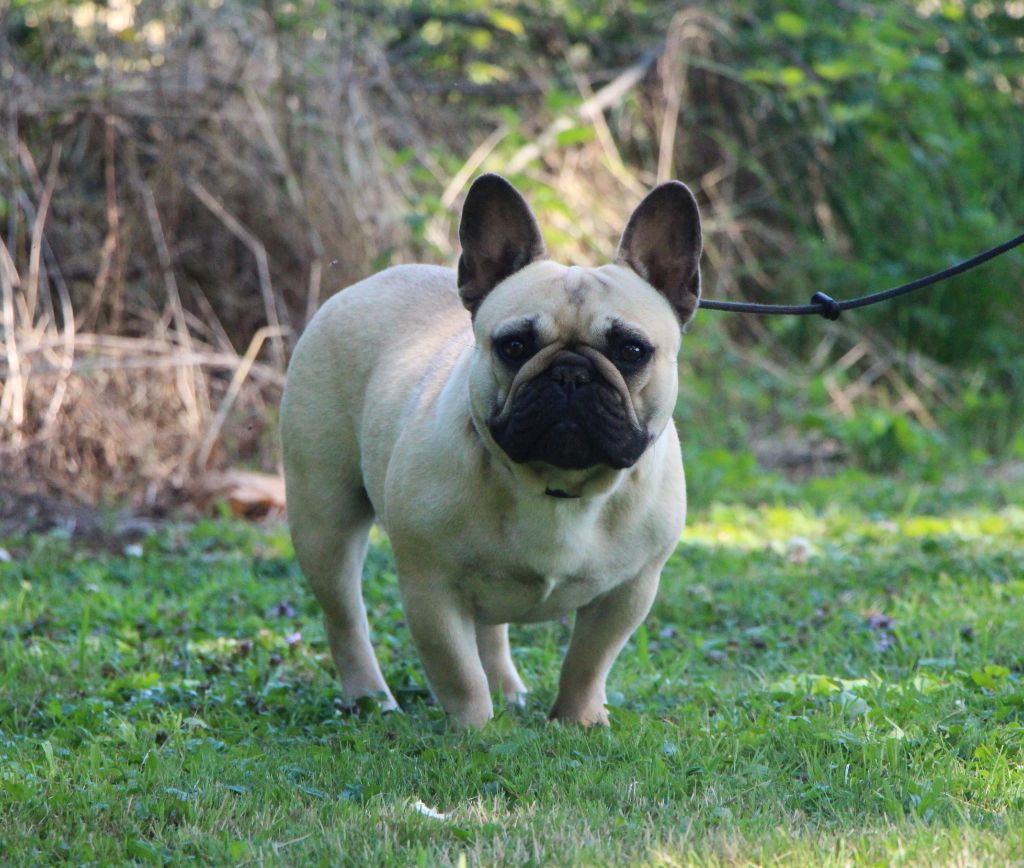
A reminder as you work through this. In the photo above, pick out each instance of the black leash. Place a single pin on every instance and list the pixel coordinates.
(830, 308)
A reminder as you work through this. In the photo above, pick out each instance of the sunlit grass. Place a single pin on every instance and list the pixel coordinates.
(821, 681)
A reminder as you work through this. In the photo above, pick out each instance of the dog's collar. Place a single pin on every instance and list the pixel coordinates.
(557, 492)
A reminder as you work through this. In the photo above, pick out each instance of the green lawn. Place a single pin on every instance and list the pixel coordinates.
(832, 674)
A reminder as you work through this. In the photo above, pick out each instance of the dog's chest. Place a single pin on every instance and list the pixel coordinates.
(546, 567)
(524, 597)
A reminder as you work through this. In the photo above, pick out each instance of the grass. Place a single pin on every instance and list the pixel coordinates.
(831, 675)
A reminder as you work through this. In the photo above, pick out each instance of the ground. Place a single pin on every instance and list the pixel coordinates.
(831, 675)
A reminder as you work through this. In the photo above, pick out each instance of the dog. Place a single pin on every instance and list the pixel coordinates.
(510, 427)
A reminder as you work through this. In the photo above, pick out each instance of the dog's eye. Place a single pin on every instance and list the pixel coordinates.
(513, 350)
(632, 353)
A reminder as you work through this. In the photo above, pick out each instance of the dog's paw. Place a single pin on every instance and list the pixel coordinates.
(516, 700)
(367, 704)
(585, 715)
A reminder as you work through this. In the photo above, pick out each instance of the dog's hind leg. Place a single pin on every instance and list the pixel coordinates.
(496, 657)
(330, 542)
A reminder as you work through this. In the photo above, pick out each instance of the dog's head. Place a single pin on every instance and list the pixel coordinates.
(575, 368)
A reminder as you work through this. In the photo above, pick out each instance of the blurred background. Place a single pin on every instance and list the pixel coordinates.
(183, 183)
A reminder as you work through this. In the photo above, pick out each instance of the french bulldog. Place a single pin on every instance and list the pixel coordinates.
(510, 427)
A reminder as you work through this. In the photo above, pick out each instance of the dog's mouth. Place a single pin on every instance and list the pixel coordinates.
(561, 494)
(570, 417)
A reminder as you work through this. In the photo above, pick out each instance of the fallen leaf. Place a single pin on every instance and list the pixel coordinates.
(247, 494)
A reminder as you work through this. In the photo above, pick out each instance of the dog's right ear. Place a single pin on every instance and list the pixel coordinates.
(499, 236)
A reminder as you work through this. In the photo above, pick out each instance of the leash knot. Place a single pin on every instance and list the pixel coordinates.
(830, 308)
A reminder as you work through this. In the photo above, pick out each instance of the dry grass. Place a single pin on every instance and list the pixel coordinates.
(164, 246)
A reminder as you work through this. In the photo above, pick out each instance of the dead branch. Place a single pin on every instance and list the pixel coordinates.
(36, 246)
(473, 162)
(186, 379)
(604, 99)
(259, 252)
(12, 403)
(241, 372)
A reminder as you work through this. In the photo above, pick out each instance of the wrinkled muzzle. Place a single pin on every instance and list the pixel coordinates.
(570, 416)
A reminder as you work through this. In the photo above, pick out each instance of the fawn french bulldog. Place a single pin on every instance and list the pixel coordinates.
(510, 426)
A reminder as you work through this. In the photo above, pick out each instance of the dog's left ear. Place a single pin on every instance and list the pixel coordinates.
(662, 243)
(499, 236)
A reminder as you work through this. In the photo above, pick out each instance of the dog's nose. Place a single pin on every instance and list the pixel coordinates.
(572, 370)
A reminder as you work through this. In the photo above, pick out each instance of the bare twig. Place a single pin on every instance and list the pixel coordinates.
(40, 250)
(12, 144)
(169, 361)
(911, 401)
(68, 356)
(186, 379)
(295, 194)
(604, 135)
(673, 78)
(840, 400)
(316, 271)
(36, 248)
(234, 387)
(686, 27)
(266, 128)
(111, 258)
(259, 252)
(12, 403)
(473, 162)
(606, 97)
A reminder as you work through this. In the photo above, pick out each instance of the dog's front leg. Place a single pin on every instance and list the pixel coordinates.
(445, 635)
(598, 634)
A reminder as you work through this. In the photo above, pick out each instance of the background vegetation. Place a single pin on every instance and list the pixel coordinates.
(182, 183)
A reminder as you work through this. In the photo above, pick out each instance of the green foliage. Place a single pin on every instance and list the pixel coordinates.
(917, 137)
(831, 675)
(872, 144)
(885, 442)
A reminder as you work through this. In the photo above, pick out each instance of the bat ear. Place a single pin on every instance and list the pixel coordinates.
(499, 236)
(662, 243)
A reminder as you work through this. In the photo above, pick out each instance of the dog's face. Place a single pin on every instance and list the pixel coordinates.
(575, 368)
